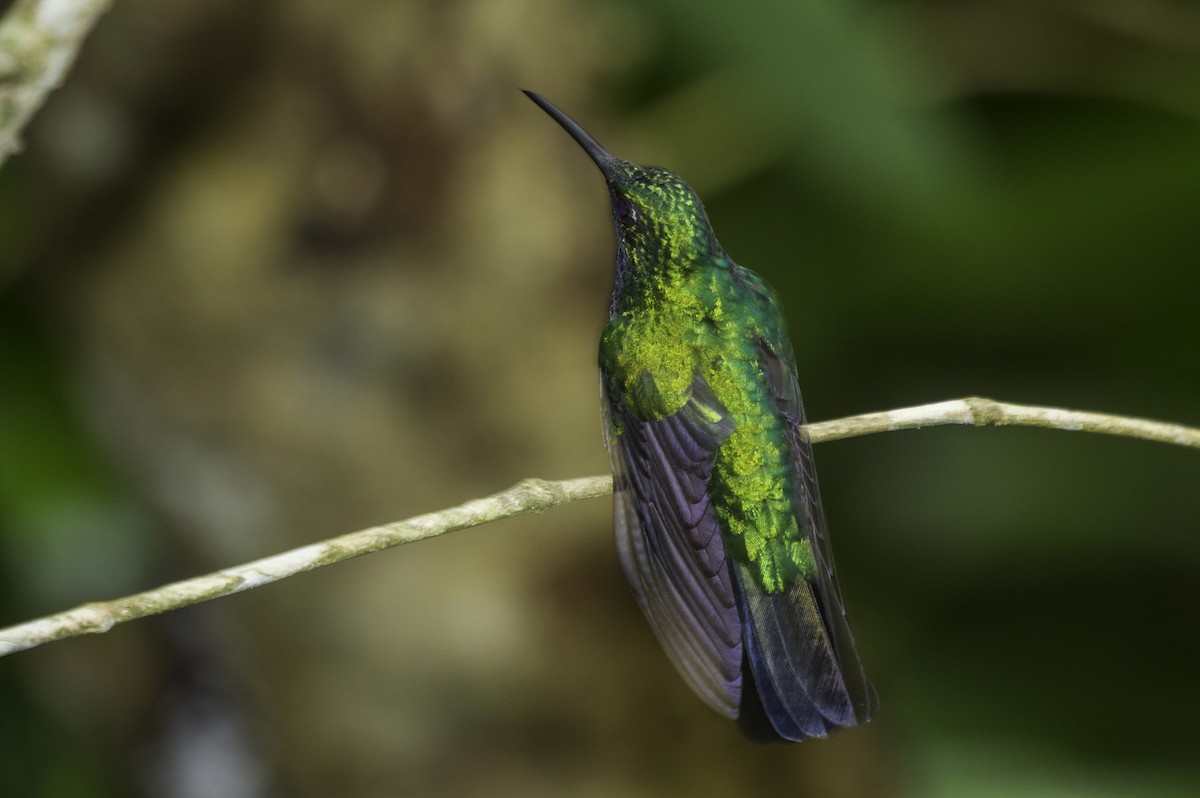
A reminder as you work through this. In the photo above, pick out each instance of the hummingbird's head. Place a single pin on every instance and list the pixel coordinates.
(658, 218)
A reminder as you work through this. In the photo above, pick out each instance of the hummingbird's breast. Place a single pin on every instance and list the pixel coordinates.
(708, 328)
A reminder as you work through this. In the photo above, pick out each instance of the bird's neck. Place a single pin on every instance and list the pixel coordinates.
(651, 278)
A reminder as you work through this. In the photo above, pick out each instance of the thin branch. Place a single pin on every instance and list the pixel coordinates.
(527, 497)
(975, 411)
(38, 43)
(536, 496)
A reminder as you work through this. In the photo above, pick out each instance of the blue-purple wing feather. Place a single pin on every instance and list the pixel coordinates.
(804, 677)
(806, 672)
(669, 542)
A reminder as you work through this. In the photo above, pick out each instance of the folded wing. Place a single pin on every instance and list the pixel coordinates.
(804, 666)
(669, 542)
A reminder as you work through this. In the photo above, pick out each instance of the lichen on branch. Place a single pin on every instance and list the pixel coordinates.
(39, 40)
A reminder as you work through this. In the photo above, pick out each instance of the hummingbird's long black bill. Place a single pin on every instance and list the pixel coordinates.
(607, 162)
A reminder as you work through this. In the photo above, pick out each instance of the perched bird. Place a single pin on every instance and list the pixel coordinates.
(719, 525)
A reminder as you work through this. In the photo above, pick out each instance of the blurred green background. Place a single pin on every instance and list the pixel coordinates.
(270, 272)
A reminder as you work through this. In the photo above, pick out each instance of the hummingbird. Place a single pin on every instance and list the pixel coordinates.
(718, 519)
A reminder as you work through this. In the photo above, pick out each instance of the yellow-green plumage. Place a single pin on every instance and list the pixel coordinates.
(705, 316)
(718, 519)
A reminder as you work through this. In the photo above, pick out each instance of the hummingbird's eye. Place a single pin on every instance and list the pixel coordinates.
(625, 209)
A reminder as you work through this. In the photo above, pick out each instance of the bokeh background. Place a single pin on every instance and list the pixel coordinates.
(275, 271)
